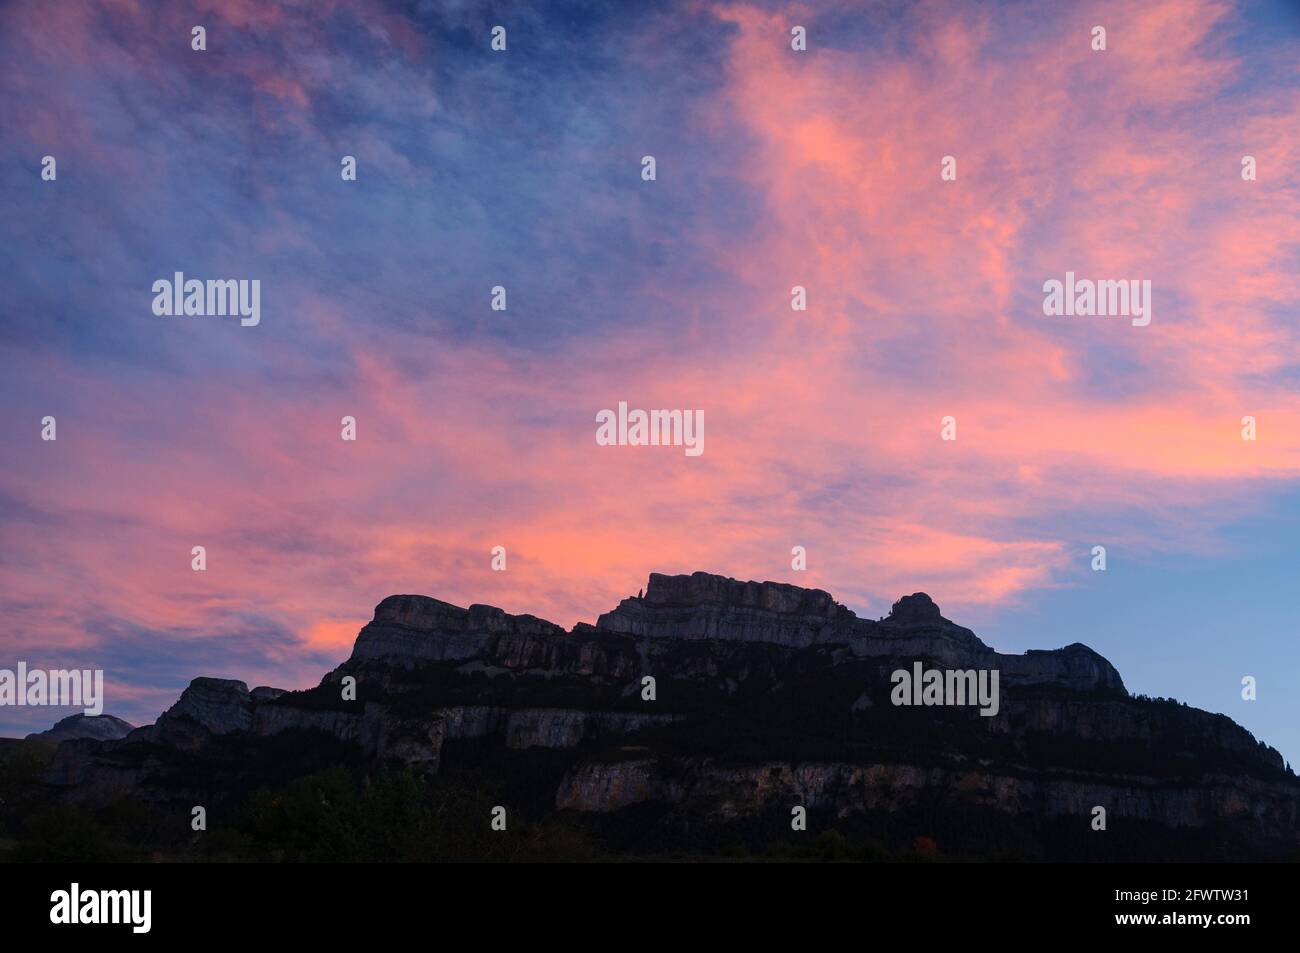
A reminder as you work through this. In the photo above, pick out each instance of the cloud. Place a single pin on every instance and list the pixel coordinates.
(476, 428)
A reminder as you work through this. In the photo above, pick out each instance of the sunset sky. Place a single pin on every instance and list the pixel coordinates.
(522, 169)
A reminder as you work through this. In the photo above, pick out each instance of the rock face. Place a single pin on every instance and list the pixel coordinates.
(220, 705)
(730, 792)
(722, 702)
(420, 628)
(703, 606)
(80, 725)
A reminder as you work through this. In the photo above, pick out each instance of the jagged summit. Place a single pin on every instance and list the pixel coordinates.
(707, 606)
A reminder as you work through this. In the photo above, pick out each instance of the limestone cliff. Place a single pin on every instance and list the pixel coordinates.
(718, 703)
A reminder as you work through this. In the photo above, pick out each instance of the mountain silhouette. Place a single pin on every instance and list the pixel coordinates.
(695, 719)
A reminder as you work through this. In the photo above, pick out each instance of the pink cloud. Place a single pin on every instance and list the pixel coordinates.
(822, 428)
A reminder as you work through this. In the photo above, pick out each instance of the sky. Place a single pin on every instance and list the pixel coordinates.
(523, 169)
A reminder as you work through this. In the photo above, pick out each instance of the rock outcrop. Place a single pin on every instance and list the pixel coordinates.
(421, 628)
(720, 700)
(704, 606)
(221, 705)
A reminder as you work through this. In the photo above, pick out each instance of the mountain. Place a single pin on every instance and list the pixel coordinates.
(80, 725)
(693, 721)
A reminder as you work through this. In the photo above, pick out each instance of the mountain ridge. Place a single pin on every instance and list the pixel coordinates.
(763, 694)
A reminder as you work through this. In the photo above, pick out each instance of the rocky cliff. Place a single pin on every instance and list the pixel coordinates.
(707, 708)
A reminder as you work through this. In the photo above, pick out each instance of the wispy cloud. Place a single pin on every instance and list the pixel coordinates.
(476, 427)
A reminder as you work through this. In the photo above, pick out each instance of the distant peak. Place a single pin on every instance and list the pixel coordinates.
(81, 725)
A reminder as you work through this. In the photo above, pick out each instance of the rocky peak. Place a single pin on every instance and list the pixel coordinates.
(702, 588)
(221, 705)
(707, 606)
(918, 608)
(417, 612)
(1075, 666)
(420, 627)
